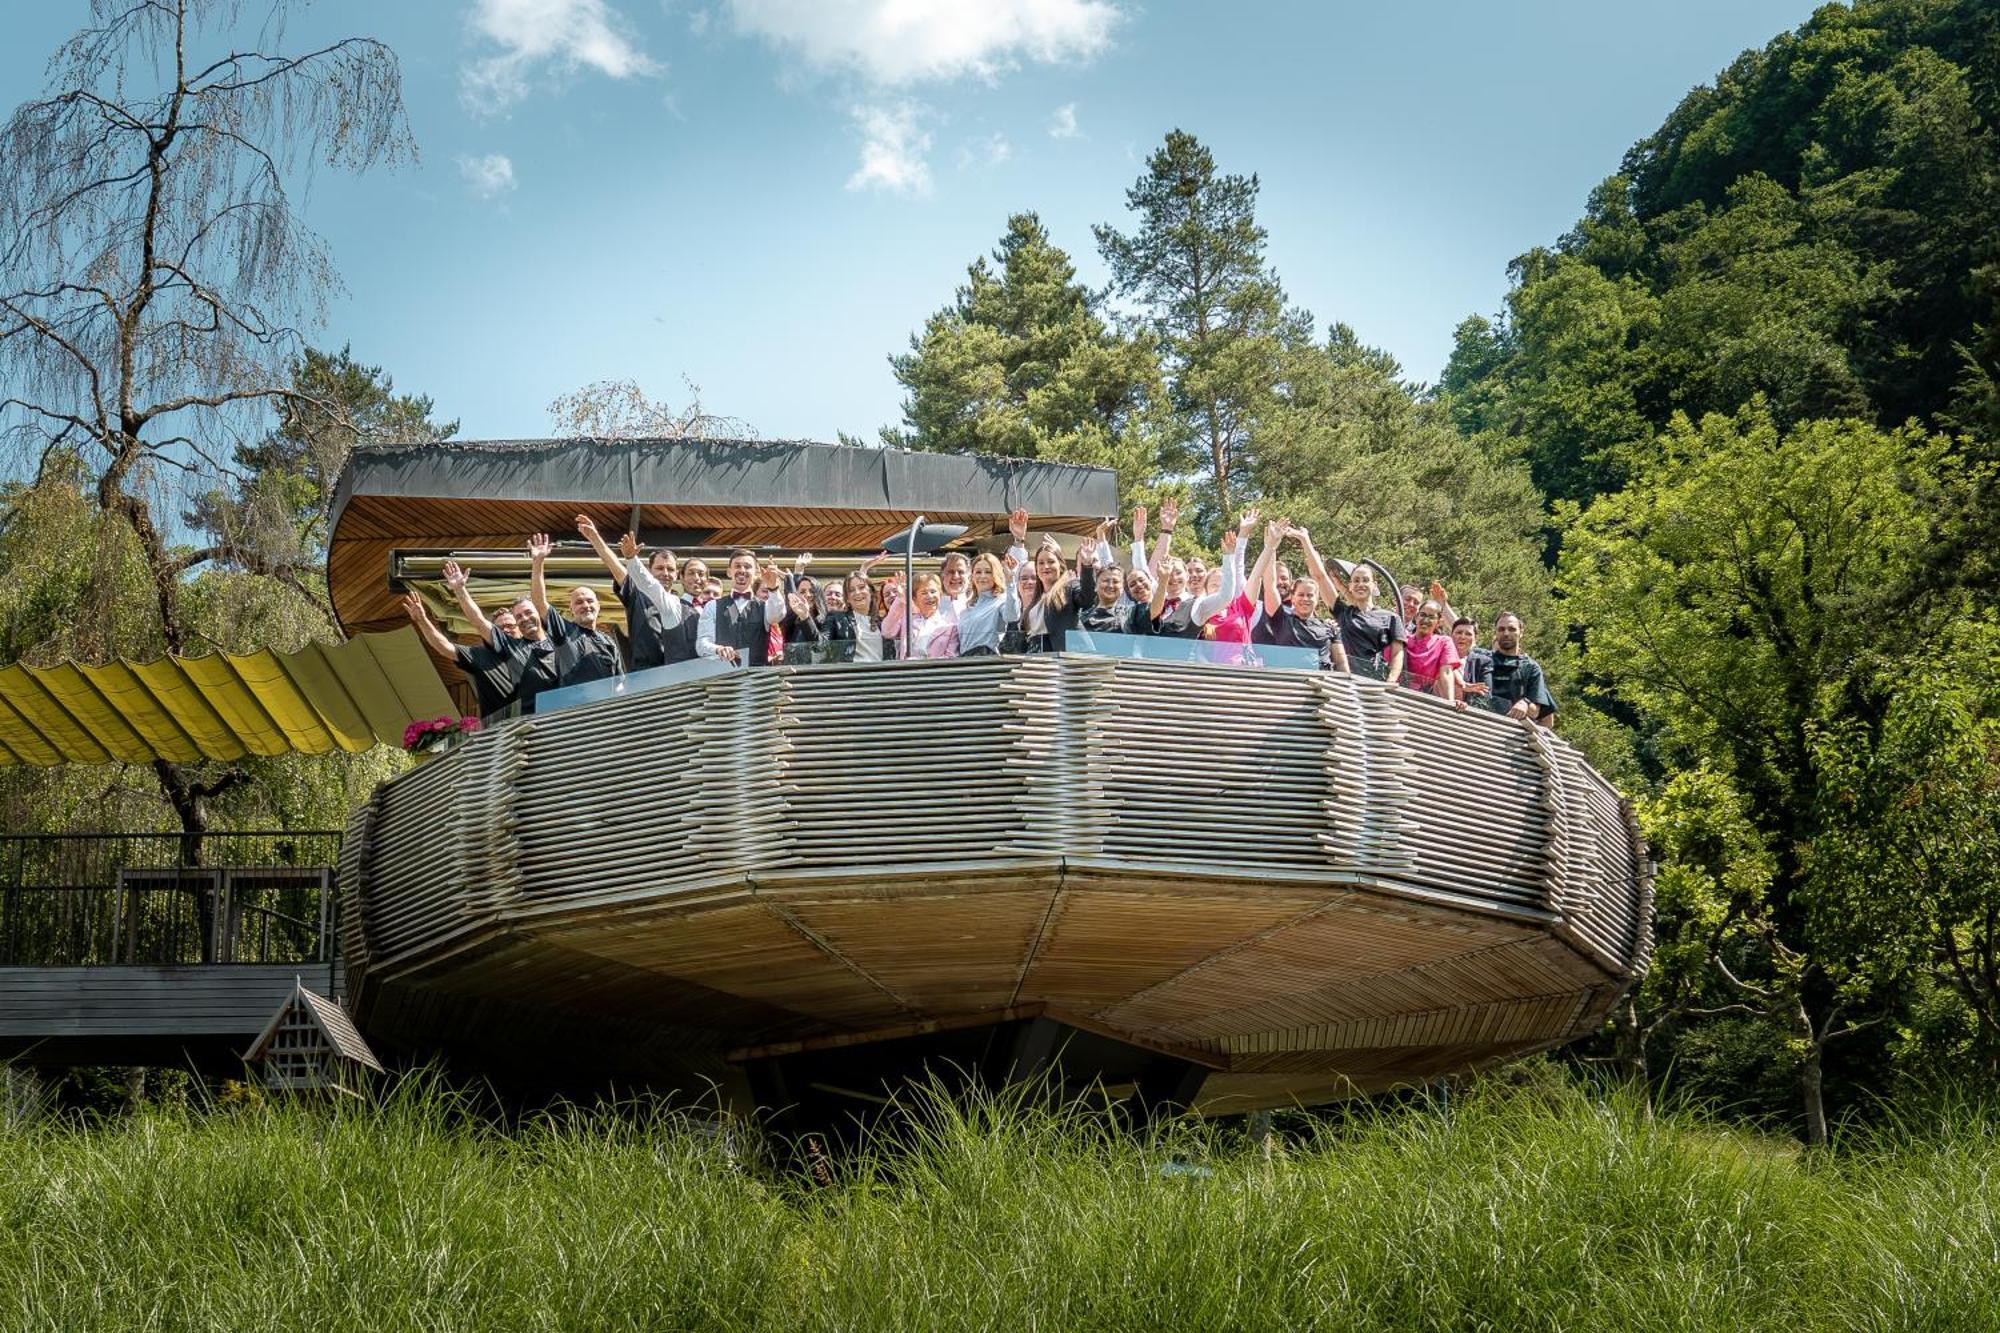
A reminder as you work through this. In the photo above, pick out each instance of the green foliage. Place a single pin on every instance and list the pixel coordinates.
(1809, 230)
(1740, 576)
(1734, 595)
(1714, 881)
(1022, 365)
(276, 515)
(1529, 1208)
(1347, 451)
(1912, 813)
(1195, 264)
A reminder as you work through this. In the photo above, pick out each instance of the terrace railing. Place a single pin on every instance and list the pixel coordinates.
(99, 899)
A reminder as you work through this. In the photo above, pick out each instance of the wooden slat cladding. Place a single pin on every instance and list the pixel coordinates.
(1239, 861)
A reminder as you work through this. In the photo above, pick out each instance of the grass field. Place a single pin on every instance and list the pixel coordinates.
(1509, 1209)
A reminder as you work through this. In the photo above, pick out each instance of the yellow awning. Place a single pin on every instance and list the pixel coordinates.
(223, 706)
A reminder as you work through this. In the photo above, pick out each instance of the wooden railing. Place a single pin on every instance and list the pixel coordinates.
(96, 899)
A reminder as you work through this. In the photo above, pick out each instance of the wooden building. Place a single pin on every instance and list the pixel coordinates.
(1226, 886)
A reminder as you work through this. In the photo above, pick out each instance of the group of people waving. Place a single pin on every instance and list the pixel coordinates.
(984, 604)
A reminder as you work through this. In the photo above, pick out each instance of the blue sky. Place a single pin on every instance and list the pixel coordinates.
(767, 196)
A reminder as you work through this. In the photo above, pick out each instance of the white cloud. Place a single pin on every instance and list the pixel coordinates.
(568, 34)
(894, 43)
(488, 175)
(1062, 124)
(988, 152)
(893, 146)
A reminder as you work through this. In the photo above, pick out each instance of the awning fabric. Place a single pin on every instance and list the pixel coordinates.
(319, 699)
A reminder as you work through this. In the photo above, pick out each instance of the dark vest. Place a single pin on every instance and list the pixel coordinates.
(740, 625)
(677, 644)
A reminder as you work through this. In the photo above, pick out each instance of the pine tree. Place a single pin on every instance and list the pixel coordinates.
(1196, 263)
(1020, 364)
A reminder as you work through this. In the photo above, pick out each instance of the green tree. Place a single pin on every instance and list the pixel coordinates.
(155, 273)
(1022, 364)
(1911, 794)
(269, 515)
(1743, 579)
(1808, 229)
(1195, 264)
(1348, 450)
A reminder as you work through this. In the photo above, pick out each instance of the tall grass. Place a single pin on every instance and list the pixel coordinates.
(1508, 1210)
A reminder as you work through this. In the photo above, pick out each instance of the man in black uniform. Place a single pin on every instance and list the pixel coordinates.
(516, 634)
(1516, 684)
(583, 651)
(488, 665)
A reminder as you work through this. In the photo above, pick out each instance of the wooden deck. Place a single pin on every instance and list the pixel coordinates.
(1311, 884)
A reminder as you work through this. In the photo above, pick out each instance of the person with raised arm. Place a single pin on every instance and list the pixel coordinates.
(734, 627)
(653, 616)
(800, 621)
(1372, 637)
(516, 631)
(1113, 612)
(1171, 603)
(584, 652)
(1291, 619)
(933, 631)
(492, 669)
(857, 620)
(1063, 597)
(1224, 614)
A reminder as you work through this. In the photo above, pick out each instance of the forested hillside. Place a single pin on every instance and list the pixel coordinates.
(1820, 226)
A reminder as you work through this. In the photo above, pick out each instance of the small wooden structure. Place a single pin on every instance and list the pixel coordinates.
(310, 1045)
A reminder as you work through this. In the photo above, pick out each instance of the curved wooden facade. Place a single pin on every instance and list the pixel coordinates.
(1309, 885)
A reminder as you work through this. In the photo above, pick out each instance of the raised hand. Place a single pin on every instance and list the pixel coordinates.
(872, 561)
(1248, 521)
(801, 562)
(539, 547)
(1170, 513)
(413, 606)
(454, 576)
(1298, 534)
(774, 577)
(801, 607)
(1274, 532)
(1229, 539)
(586, 528)
(1017, 523)
(628, 546)
(1139, 525)
(1438, 593)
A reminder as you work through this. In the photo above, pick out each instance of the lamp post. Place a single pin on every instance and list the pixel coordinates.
(922, 536)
